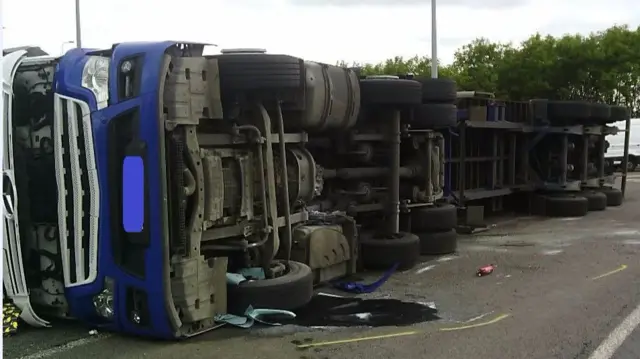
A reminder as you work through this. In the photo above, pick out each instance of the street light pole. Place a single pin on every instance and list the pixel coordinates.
(434, 42)
(78, 27)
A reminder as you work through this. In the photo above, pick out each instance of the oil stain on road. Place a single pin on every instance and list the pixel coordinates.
(326, 311)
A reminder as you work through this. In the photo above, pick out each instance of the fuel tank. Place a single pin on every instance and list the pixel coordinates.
(332, 100)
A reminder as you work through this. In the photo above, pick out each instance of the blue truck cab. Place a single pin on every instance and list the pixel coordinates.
(140, 178)
(87, 230)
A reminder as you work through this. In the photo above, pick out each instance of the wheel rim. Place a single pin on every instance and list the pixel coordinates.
(630, 165)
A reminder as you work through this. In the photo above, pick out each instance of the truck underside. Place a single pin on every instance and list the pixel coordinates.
(269, 163)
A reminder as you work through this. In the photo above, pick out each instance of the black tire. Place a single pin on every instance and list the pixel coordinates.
(435, 116)
(597, 200)
(390, 92)
(614, 196)
(290, 291)
(260, 72)
(440, 90)
(568, 112)
(618, 113)
(566, 205)
(600, 113)
(383, 253)
(439, 217)
(437, 243)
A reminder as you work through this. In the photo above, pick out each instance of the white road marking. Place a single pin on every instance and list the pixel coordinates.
(447, 258)
(330, 295)
(608, 347)
(477, 318)
(66, 347)
(427, 268)
(552, 252)
(626, 233)
(481, 248)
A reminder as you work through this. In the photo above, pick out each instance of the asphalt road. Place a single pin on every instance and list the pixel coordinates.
(630, 349)
(563, 288)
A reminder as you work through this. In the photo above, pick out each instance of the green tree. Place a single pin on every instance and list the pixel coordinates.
(417, 65)
(602, 67)
(476, 65)
(525, 72)
(616, 78)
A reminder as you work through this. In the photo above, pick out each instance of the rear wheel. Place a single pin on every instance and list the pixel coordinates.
(597, 200)
(600, 113)
(614, 196)
(390, 92)
(566, 205)
(436, 243)
(439, 217)
(383, 253)
(568, 112)
(440, 90)
(618, 113)
(435, 116)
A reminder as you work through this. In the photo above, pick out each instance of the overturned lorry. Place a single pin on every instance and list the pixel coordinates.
(139, 178)
(150, 189)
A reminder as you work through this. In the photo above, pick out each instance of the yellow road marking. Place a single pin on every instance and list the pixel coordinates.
(361, 339)
(620, 269)
(492, 321)
(401, 334)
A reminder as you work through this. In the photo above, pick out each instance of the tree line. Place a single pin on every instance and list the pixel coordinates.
(602, 67)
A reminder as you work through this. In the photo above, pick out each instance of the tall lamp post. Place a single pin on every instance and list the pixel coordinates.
(78, 28)
(434, 41)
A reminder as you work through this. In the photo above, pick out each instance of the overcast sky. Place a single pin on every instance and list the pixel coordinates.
(321, 30)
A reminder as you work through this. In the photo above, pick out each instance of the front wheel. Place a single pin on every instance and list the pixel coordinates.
(291, 290)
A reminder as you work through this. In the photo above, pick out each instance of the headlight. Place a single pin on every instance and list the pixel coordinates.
(103, 301)
(95, 77)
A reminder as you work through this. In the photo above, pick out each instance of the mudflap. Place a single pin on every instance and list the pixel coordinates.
(329, 249)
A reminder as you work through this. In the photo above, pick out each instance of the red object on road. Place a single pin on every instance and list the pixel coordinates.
(486, 270)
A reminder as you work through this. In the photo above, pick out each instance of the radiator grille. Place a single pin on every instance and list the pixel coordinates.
(78, 191)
